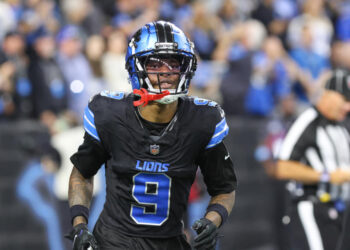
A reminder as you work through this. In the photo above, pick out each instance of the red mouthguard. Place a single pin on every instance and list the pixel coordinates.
(145, 97)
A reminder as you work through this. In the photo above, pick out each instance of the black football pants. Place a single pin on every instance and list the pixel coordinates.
(112, 240)
(314, 226)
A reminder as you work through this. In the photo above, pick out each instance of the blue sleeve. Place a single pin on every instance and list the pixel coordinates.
(220, 132)
(89, 123)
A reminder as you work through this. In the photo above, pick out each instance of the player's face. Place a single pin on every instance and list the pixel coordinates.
(163, 72)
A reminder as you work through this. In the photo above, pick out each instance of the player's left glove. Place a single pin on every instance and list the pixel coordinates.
(206, 234)
(82, 238)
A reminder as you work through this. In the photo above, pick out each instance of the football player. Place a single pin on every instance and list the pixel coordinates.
(152, 142)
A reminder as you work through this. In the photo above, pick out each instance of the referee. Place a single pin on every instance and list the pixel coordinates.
(315, 156)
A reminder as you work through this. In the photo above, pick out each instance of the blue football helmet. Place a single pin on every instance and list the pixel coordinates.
(160, 41)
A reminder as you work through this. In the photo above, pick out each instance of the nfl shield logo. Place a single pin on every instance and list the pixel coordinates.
(154, 149)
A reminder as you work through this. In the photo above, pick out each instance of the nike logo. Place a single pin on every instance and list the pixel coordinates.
(226, 157)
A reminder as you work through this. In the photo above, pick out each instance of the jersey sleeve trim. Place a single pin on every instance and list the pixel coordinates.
(89, 124)
(221, 130)
(118, 95)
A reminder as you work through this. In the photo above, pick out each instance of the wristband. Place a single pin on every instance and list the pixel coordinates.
(79, 210)
(220, 209)
(325, 177)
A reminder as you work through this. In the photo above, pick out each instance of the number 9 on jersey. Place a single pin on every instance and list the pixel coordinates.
(151, 190)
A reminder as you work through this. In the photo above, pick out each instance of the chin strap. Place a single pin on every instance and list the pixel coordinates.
(145, 97)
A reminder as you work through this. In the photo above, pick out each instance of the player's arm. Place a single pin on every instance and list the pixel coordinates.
(79, 194)
(87, 160)
(220, 179)
(219, 176)
(91, 155)
(225, 200)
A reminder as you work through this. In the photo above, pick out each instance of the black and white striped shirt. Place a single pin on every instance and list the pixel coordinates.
(321, 144)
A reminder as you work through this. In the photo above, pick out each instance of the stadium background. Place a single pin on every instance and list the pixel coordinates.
(263, 61)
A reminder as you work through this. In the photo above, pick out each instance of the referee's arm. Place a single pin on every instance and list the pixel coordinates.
(294, 170)
(299, 138)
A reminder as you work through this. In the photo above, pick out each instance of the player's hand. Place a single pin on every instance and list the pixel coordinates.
(82, 238)
(206, 234)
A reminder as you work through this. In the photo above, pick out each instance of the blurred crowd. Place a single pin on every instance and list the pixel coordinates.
(256, 57)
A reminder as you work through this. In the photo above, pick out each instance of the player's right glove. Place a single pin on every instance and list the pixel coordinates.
(82, 238)
(207, 234)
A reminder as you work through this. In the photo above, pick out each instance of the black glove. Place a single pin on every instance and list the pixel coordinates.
(206, 234)
(82, 238)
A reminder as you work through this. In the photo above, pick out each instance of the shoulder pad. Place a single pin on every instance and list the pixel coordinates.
(98, 108)
(118, 95)
(216, 115)
(208, 103)
(204, 102)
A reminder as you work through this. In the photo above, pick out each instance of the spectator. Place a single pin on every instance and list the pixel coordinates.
(7, 103)
(206, 82)
(28, 24)
(50, 90)
(113, 61)
(13, 50)
(7, 19)
(237, 47)
(47, 14)
(264, 12)
(76, 69)
(36, 14)
(319, 26)
(343, 22)
(241, 39)
(229, 14)
(176, 11)
(132, 14)
(94, 49)
(270, 82)
(84, 14)
(17, 8)
(275, 15)
(310, 63)
(204, 29)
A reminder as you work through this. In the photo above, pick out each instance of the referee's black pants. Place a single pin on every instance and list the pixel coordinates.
(314, 226)
(112, 240)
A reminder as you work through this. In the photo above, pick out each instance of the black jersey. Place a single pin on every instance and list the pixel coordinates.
(148, 177)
